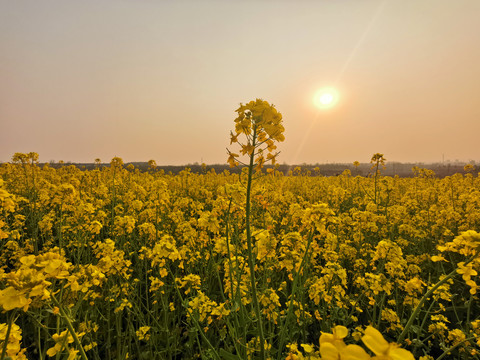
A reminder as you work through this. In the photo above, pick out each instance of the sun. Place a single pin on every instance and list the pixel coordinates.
(325, 98)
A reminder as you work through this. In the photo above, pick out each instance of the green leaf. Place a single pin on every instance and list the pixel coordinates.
(228, 356)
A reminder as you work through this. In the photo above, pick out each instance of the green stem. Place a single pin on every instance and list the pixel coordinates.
(251, 260)
(469, 308)
(227, 237)
(294, 290)
(112, 210)
(39, 343)
(422, 301)
(423, 323)
(7, 335)
(70, 328)
(449, 350)
(192, 316)
(119, 334)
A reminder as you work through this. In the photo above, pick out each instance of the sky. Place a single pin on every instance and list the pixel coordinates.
(161, 80)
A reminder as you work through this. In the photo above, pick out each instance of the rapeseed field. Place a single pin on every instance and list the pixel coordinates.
(114, 263)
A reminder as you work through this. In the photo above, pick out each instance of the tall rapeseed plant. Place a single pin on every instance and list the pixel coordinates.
(261, 125)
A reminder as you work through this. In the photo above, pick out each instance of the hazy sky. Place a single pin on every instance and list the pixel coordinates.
(161, 80)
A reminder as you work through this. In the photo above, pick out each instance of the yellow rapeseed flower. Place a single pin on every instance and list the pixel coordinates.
(13, 348)
(384, 350)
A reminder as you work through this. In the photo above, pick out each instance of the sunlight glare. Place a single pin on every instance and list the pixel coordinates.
(325, 98)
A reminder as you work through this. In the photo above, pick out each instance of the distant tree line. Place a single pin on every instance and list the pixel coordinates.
(332, 169)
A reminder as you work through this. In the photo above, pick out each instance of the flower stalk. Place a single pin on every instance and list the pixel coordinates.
(251, 260)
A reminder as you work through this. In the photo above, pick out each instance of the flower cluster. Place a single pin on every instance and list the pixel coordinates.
(333, 347)
(30, 282)
(262, 126)
(13, 349)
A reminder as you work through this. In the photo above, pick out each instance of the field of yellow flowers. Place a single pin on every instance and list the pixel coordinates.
(115, 263)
